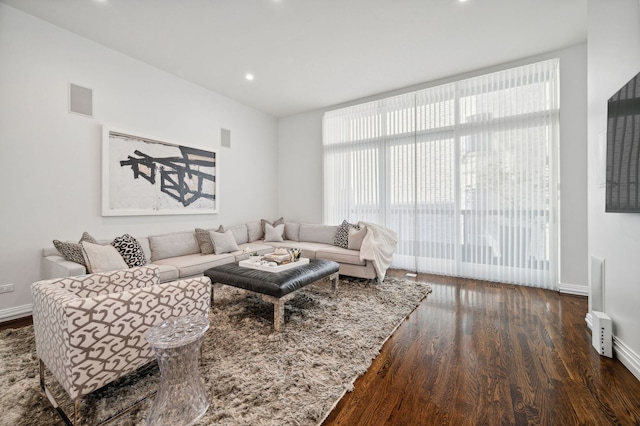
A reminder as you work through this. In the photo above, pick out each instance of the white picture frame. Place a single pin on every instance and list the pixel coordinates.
(147, 176)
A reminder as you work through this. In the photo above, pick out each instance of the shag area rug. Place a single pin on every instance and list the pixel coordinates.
(253, 375)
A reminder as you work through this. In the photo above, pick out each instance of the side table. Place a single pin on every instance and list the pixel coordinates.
(181, 397)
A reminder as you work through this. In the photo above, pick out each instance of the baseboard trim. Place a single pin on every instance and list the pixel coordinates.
(627, 357)
(578, 290)
(16, 312)
(624, 353)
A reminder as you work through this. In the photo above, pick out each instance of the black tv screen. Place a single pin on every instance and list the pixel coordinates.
(623, 149)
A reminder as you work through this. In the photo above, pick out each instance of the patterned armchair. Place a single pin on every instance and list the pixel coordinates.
(89, 329)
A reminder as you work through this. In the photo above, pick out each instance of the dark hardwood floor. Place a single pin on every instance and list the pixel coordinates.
(480, 353)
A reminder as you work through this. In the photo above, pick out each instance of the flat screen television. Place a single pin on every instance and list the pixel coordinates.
(623, 149)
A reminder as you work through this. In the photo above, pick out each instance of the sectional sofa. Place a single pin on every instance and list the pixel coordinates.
(179, 255)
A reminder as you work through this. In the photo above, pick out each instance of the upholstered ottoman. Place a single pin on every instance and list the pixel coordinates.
(275, 287)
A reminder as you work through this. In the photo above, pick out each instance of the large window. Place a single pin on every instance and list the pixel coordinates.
(465, 173)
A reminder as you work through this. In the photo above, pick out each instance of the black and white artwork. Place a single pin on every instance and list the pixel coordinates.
(147, 176)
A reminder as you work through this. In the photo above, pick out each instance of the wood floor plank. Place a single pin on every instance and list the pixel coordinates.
(481, 353)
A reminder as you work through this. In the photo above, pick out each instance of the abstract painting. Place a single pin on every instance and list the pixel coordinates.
(149, 176)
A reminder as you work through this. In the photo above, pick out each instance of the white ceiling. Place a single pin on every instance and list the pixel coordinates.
(309, 54)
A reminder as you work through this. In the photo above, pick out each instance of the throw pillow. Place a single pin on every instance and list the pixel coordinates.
(204, 241)
(240, 233)
(88, 238)
(102, 258)
(223, 242)
(356, 236)
(73, 251)
(272, 233)
(342, 237)
(274, 223)
(130, 250)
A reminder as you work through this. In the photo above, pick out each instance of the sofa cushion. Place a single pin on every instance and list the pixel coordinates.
(167, 272)
(254, 231)
(342, 236)
(172, 245)
(223, 242)
(195, 264)
(292, 231)
(317, 233)
(204, 241)
(356, 236)
(340, 255)
(100, 258)
(273, 233)
(130, 250)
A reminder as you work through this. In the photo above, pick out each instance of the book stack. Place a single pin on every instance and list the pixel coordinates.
(280, 259)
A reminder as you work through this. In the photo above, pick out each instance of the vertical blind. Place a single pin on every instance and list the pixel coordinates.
(465, 173)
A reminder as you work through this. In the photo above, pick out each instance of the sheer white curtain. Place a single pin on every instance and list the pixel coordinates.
(465, 173)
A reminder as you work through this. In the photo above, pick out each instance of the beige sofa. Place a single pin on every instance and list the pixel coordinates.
(178, 254)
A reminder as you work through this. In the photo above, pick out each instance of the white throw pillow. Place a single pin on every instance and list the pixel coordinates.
(102, 258)
(273, 234)
(223, 242)
(356, 236)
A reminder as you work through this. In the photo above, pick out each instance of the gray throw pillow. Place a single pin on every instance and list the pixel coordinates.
(272, 233)
(223, 242)
(204, 241)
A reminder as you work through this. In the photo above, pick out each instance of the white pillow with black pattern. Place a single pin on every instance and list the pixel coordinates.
(130, 250)
(342, 237)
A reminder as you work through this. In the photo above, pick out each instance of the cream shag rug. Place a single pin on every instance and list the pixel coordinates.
(253, 375)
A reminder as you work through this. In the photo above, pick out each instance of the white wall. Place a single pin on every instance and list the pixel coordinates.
(50, 159)
(300, 159)
(614, 58)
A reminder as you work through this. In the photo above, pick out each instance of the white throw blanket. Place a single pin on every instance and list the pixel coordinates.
(378, 246)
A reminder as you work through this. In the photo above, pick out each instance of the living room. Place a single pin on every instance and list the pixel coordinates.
(273, 166)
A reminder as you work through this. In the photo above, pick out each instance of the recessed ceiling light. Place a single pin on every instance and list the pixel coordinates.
(249, 76)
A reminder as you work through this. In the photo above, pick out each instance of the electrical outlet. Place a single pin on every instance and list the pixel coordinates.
(7, 288)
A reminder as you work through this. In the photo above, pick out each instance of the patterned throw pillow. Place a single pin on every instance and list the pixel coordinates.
(70, 251)
(204, 241)
(130, 250)
(342, 237)
(73, 251)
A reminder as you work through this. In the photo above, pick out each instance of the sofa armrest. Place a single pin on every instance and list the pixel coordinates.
(89, 342)
(58, 267)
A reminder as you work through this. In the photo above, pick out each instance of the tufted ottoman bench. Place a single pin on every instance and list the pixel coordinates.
(275, 287)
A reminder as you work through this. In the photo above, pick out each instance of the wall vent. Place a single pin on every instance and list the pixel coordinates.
(225, 138)
(80, 100)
